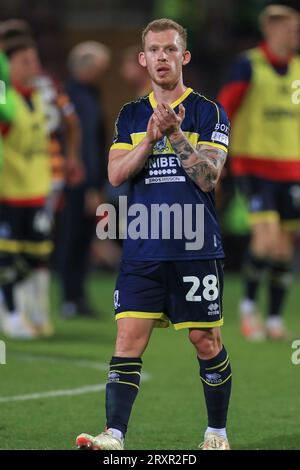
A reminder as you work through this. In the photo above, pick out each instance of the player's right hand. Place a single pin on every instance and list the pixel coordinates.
(153, 132)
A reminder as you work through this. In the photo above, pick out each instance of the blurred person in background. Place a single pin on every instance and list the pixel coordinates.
(64, 152)
(24, 187)
(265, 159)
(87, 63)
(7, 109)
(6, 96)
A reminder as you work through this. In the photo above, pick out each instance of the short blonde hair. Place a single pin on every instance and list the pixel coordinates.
(163, 24)
(276, 12)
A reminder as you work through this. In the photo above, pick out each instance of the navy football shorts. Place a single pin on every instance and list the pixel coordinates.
(186, 293)
(272, 200)
(24, 231)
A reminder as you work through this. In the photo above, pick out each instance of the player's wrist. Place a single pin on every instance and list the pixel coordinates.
(176, 135)
(149, 142)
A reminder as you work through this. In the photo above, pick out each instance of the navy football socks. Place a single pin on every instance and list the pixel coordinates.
(121, 390)
(280, 280)
(254, 270)
(216, 374)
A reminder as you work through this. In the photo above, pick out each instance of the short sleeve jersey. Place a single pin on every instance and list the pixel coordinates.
(168, 216)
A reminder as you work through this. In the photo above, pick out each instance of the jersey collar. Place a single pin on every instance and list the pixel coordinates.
(23, 90)
(187, 92)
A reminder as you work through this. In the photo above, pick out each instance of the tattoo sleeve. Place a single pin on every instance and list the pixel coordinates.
(202, 164)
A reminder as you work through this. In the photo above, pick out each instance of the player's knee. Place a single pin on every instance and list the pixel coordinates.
(207, 342)
(282, 251)
(262, 247)
(263, 243)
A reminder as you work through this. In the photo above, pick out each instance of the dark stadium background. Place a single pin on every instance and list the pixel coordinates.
(218, 30)
(266, 400)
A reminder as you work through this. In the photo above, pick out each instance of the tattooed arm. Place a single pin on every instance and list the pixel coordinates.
(202, 164)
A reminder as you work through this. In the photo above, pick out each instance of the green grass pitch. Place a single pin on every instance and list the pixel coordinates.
(169, 412)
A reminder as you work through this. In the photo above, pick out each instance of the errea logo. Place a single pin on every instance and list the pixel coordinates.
(213, 309)
(113, 377)
(213, 378)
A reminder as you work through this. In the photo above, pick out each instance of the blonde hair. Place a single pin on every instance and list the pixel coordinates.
(163, 24)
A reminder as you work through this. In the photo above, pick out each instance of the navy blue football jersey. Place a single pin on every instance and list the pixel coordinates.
(169, 217)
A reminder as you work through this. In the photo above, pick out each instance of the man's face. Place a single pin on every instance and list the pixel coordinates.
(25, 66)
(164, 57)
(287, 33)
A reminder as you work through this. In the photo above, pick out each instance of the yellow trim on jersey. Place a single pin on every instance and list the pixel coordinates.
(192, 137)
(212, 144)
(217, 385)
(173, 105)
(263, 216)
(213, 102)
(121, 146)
(32, 248)
(137, 138)
(199, 324)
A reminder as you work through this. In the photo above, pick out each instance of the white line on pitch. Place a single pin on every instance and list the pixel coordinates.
(55, 393)
(86, 364)
(68, 392)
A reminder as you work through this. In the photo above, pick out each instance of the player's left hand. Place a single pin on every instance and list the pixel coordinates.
(167, 120)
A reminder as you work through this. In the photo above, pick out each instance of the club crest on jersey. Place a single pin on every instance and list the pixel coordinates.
(116, 299)
(161, 145)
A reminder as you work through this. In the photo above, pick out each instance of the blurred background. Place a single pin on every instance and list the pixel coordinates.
(218, 30)
(83, 269)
